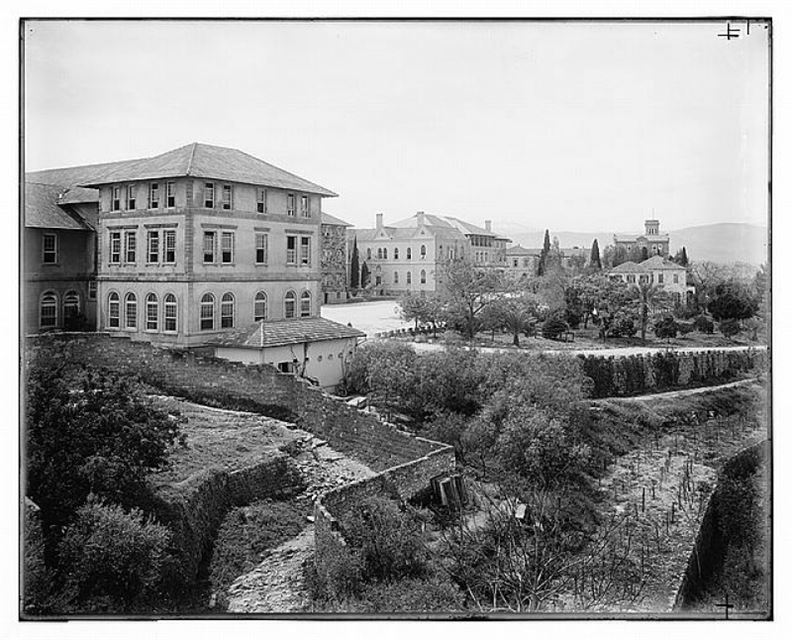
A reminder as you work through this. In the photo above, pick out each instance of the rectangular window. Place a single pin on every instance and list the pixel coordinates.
(170, 194)
(676, 278)
(209, 195)
(153, 246)
(131, 202)
(154, 195)
(152, 315)
(291, 249)
(115, 247)
(209, 244)
(169, 242)
(305, 250)
(227, 247)
(92, 289)
(130, 246)
(261, 248)
(659, 278)
(290, 204)
(226, 196)
(115, 201)
(261, 201)
(50, 248)
(305, 209)
(170, 313)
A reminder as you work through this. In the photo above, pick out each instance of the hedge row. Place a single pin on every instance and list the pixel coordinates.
(645, 373)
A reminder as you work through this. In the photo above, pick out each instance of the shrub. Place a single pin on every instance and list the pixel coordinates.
(111, 560)
(703, 324)
(729, 328)
(408, 595)
(666, 327)
(554, 326)
(623, 326)
(685, 328)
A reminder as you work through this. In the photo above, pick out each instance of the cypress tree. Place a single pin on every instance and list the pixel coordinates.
(354, 276)
(594, 259)
(365, 275)
(543, 255)
(684, 259)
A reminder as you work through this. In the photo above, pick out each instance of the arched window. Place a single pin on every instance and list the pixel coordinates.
(395, 253)
(130, 311)
(395, 277)
(289, 302)
(423, 251)
(409, 253)
(207, 311)
(385, 253)
(368, 253)
(152, 312)
(260, 307)
(423, 276)
(379, 253)
(113, 310)
(409, 277)
(227, 311)
(71, 307)
(48, 310)
(305, 304)
(170, 312)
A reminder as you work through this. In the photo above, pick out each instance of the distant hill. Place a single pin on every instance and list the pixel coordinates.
(722, 242)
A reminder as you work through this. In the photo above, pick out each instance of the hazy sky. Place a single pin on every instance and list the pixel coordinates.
(571, 126)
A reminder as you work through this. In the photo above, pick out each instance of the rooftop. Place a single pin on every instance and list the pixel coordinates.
(654, 263)
(328, 219)
(193, 160)
(42, 210)
(267, 333)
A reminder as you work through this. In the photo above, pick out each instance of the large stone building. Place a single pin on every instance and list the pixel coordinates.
(178, 248)
(671, 276)
(655, 243)
(335, 257)
(406, 256)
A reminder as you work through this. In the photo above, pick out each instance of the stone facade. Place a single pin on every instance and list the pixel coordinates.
(334, 260)
(655, 243)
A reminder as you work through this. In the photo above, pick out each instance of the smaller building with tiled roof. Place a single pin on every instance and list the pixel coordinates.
(656, 270)
(312, 348)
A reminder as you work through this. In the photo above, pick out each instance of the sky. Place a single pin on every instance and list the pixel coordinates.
(572, 126)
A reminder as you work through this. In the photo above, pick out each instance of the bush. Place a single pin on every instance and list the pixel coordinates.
(623, 326)
(703, 324)
(729, 328)
(111, 560)
(553, 327)
(685, 328)
(666, 327)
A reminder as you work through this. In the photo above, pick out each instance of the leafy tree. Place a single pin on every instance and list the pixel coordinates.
(365, 275)
(516, 313)
(703, 324)
(354, 276)
(555, 325)
(705, 277)
(594, 259)
(383, 369)
(426, 309)
(112, 561)
(617, 255)
(466, 292)
(89, 432)
(730, 327)
(733, 300)
(681, 257)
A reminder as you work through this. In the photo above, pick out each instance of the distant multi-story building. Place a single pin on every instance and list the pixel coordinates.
(671, 276)
(335, 257)
(177, 248)
(521, 262)
(406, 256)
(656, 244)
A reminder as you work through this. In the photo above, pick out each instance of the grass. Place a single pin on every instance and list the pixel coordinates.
(246, 534)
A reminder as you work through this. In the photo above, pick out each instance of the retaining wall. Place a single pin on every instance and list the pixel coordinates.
(401, 482)
(232, 385)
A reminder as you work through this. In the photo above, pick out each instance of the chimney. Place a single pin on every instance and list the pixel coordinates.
(421, 216)
(488, 225)
(379, 221)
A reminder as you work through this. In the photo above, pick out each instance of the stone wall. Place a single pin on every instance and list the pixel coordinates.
(257, 388)
(400, 483)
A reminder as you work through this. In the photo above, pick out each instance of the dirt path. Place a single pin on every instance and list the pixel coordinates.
(276, 585)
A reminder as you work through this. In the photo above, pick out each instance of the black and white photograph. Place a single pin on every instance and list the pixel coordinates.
(455, 319)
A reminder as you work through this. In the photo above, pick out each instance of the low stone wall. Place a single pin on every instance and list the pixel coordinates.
(653, 372)
(232, 385)
(194, 508)
(401, 482)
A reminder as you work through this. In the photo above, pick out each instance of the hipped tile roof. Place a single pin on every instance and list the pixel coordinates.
(277, 333)
(42, 210)
(328, 219)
